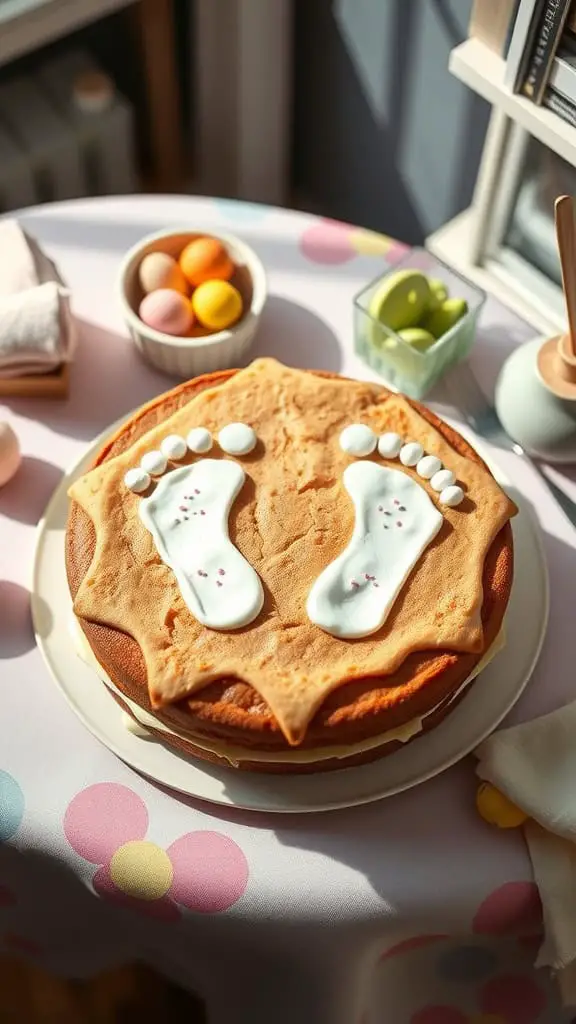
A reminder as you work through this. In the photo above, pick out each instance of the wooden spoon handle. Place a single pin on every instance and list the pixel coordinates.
(566, 238)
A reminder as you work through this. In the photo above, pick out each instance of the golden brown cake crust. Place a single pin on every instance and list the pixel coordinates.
(231, 710)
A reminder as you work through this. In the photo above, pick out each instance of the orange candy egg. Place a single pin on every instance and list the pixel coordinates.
(205, 259)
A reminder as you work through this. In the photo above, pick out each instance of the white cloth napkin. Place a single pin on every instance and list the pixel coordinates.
(36, 326)
(534, 765)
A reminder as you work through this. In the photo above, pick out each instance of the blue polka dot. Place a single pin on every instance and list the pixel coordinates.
(11, 806)
(467, 963)
(241, 213)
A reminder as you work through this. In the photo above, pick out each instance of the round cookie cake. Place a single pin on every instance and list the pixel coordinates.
(287, 571)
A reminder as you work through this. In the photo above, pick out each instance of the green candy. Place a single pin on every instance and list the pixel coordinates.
(401, 299)
(442, 319)
(417, 338)
(438, 293)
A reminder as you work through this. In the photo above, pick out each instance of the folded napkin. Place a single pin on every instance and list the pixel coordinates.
(36, 326)
(534, 765)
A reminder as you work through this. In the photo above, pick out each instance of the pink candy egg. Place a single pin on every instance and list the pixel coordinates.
(9, 453)
(167, 311)
(160, 270)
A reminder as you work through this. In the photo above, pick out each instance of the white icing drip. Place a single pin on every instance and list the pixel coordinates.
(358, 440)
(199, 440)
(131, 725)
(237, 439)
(187, 516)
(451, 496)
(428, 466)
(154, 463)
(236, 754)
(174, 447)
(395, 522)
(411, 453)
(137, 480)
(444, 478)
(389, 445)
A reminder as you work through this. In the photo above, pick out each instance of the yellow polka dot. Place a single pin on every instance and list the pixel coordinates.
(142, 869)
(486, 1018)
(370, 243)
(497, 809)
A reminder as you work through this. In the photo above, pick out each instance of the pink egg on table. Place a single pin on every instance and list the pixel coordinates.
(167, 311)
(160, 270)
(9, 453)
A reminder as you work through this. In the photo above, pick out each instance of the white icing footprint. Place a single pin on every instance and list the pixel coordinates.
(187, 516)
(395, 523)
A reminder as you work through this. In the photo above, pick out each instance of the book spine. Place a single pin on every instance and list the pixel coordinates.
(521, 41)
(558, 105)
(548, 34)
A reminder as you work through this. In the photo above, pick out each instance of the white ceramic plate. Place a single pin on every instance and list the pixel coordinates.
(479, 712)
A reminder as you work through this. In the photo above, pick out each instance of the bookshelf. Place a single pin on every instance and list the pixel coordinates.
(483, 72)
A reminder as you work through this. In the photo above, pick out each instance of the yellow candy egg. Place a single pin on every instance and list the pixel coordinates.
(217, 304)
(497, 809)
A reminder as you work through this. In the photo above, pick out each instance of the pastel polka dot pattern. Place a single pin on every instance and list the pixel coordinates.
(467, 964)
(11, 806)
(369, 243)
(210, 871)
(103, 817)
(241, 213)
(327, 242)
(106, 824)
(142, 869)
(512, 909)
(515, 997)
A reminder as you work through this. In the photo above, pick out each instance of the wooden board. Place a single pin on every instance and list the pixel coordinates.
(37, 385)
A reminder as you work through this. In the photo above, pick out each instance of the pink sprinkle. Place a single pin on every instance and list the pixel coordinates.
(183, 508)
(396, 502)
(398, 523)
(354, 584)
(201, 573)
(202, 512)
(221, 572)
(196, 491)
(219, 584)
(380, 509)
(367, 577)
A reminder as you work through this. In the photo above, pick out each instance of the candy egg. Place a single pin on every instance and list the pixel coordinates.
(401, 299)
(9, 453)
(438, 293)
(159, 270)
(417, 338)
(167, 311)
(217, 304)
(205, 259)
(497, 809)
(442, 319)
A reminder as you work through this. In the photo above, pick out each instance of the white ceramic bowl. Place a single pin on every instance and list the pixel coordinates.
(188, 357)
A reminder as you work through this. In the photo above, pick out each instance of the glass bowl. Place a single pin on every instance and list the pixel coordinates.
(401, 365)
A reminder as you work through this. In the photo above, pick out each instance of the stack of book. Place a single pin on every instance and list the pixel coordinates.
(537, 38)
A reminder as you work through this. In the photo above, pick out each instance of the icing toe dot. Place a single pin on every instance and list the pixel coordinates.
(428, 466)
(389, 445)
(173, 447)
(358, 440)
(154, 463)
(237, 439)
(444, 478)
(451, 496)
(411, 453)
(199, 440)
(137, 480)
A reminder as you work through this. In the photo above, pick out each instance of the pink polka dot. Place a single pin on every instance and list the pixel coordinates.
(103, 817)
(409, 944)
(397, 252)
(327, 242)
(439, 1015)
(163, 908)
(513, 909)
(516, 997)
(210, 871)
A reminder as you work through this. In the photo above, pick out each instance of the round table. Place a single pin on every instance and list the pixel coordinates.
(411, 910)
